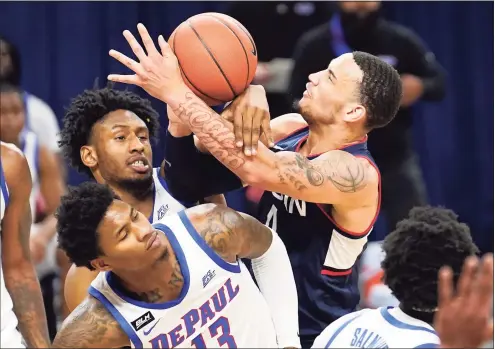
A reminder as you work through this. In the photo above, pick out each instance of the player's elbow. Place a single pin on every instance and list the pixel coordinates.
(16, 267)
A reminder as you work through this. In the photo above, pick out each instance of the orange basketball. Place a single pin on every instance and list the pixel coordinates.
(217, 56)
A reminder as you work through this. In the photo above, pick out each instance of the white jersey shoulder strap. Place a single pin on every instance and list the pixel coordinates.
(164, 203)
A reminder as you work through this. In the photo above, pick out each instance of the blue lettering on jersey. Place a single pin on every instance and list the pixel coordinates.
(208, 277)
(195, 319)
(162, 211)
(364, 338)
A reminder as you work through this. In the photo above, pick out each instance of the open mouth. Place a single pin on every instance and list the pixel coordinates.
(139, 164)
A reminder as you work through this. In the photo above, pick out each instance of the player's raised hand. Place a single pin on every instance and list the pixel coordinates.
(250, 114)
(158, 73)
(463, 316)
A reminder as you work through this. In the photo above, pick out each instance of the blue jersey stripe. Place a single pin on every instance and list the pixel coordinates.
(402, 325)
(3, 185)
(117, 316)
(233, 268)
(427, 345)
(340, 329)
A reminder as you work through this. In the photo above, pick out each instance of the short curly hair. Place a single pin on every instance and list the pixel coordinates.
(78, 216)
(421, 244)
(91, 106)
(380, 91)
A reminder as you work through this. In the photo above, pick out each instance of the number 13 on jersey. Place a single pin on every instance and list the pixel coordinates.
(220, 330)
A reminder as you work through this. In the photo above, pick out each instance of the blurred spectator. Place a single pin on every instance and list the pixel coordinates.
(40, 118)
(275, 27)
(359, 26)
(47, 184)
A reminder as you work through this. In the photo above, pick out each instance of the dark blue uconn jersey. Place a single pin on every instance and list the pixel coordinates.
(323, 256)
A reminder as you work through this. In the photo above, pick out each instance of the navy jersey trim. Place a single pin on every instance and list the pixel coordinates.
(358, 235)
(402, 325)
(233, 268)
(3, 184)
(335, 272)
(292, 133)
(184, 268)
(133, 337)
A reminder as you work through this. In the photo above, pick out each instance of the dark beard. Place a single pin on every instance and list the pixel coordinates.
(357, 30)
(301, 112)
(138, 188)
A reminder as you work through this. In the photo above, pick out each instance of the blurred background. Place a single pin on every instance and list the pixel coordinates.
(63, 47)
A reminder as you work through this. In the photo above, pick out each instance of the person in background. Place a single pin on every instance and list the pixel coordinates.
(374, 293)
(40, 118)
(47, 182)
(22, 315)
(359, 26)
(281, 22)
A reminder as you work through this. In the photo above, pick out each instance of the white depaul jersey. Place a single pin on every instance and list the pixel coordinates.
(9, 336)
(378, 328)
(219, 305)
(164, 204)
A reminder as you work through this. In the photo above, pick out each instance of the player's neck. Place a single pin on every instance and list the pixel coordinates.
(426, 316)
(143, 203)
(329, 137)
(151, 286)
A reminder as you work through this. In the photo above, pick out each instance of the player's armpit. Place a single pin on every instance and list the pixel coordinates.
(90, 325)
(229, 233)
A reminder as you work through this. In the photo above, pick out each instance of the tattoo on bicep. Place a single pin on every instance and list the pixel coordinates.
(314, 176)
(347, 174)
(212, 131)
(90, 326)
(219, 229)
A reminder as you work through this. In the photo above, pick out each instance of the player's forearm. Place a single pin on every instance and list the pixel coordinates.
(24, 288)
(217, 135)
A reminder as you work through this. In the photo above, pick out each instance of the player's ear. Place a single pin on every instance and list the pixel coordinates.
(88, 156)
(354, 112)
(100, 265)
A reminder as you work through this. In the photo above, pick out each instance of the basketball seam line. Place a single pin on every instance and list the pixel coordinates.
(187, 78)
(240, 42)
(213, 58)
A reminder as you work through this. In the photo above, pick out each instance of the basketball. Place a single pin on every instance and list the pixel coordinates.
(217, 56)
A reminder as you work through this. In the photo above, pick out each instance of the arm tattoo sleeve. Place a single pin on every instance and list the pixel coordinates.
(90, 326)
(213, 131)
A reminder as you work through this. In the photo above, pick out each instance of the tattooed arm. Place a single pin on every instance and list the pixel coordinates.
(90, 326)
(336, 177)
(20, 277)
(229, 233)
(232, 235)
